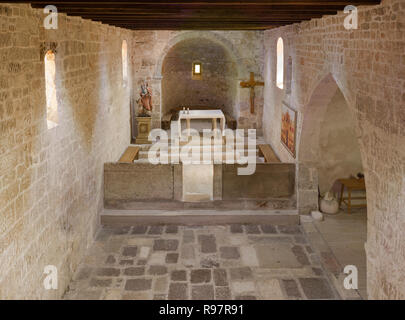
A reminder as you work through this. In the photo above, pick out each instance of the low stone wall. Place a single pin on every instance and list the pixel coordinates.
(126, 182)
(268, 182)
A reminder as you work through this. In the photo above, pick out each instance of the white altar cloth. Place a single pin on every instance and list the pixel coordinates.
(203, 114)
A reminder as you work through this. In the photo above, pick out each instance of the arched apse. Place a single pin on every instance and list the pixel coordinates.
(217, 86)
(206, 35)
(329, 147)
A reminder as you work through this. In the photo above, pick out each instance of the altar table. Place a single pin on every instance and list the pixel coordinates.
(202, 114)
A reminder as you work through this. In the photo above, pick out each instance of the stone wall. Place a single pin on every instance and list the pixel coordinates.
(51, 181)
(368, 66)
(245, 49)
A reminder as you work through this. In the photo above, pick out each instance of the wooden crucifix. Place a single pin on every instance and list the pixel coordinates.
(251, 84)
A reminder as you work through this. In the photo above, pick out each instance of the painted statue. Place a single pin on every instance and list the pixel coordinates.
(145, 100)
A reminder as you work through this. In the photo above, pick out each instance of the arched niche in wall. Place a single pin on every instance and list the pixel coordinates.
(329, 147)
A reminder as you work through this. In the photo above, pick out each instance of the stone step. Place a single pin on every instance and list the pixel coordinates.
(146, 160)
(111, 217)
(225, 155)
(240, 146)
(244, 144)
(186, 139)
(175, 205)
(144, 148)
(204, 149)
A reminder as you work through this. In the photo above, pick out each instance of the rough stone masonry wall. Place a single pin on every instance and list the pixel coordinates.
(245, 48)
(51, 180)
(368, 65)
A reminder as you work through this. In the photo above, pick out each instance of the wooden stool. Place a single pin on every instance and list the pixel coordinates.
(352, 184)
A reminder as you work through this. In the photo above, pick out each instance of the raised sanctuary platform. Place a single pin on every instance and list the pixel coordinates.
(145, 193)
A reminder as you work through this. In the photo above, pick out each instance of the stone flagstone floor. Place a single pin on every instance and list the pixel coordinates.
(202, 262)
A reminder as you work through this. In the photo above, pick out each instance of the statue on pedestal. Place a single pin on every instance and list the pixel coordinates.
(145, 101)
(144, 117)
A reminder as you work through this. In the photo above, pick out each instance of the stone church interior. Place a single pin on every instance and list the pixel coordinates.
(202, 150)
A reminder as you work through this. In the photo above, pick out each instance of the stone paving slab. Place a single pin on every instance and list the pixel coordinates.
(225, 262)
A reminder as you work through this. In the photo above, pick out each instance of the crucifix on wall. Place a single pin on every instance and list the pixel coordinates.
(251, 84)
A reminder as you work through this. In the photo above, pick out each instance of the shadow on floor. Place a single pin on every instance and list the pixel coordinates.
(346, 235)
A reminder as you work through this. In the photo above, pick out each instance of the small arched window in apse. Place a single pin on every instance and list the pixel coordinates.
(50, 88)
(125, 62)
(280, 63)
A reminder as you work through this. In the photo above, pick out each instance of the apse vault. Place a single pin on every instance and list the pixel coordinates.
(214, 87)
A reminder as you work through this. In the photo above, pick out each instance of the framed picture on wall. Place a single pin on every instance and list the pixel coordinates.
(289, 128)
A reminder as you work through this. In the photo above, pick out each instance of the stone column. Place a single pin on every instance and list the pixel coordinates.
(307, 188)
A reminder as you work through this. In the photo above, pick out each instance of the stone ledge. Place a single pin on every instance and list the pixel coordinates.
(198, 217)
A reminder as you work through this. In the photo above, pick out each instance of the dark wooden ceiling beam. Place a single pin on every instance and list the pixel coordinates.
(190, 3)
(207, 10)
(88, 15)
(198, 14)
(208, 2)
(200, 26)
(190, 21)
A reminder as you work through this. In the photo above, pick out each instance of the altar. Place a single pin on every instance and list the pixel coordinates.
(214, 115)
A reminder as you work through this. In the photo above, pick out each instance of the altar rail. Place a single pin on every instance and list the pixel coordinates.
(153, 186)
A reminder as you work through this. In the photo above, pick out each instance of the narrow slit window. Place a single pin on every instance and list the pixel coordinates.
(50, 87)
(196, 68)
(124, 62)
(280, 64)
